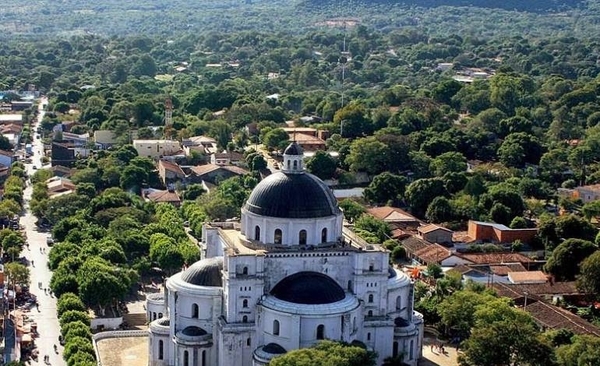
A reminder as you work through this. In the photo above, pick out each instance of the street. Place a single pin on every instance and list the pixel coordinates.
(48, 326)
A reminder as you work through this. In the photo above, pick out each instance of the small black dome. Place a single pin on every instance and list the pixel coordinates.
(293, 149)
(193, 331)
(311, 288)
(206, 272)
(294, 196)
(274, 349)
(401, 322)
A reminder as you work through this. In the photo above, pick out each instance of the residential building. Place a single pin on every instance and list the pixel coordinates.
(285, 277)
(394, 216)
(435, 234)
(227, 158)
(58, 186)
(214, 173)
(168, 196)
(527, 277)
(7, 158)
(105, 138)
(497, 233)
(587, 193)
(11, 118)
(156, 149)
(170, 172)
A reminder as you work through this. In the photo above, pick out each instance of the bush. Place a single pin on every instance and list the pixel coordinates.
(81, 359)
(78, 345)
(77, 329)
(399, 253)
(71, 316)
(69, 301)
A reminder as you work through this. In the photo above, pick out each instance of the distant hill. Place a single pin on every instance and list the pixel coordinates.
(537, 6)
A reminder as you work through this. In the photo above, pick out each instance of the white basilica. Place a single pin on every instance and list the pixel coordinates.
(286, 276)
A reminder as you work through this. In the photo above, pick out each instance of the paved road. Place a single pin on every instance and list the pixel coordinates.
(46, 320)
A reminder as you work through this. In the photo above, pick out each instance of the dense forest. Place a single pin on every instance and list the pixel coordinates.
(481, 18)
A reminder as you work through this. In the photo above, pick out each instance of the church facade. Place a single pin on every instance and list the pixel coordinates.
(285, 277)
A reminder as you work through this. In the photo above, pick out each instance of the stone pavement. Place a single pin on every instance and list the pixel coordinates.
(433, 357)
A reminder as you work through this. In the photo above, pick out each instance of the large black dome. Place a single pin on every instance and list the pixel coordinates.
(311, 288)
(206, 272)
(294, 196)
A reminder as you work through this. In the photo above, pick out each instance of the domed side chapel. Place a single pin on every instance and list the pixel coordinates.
(286, 276)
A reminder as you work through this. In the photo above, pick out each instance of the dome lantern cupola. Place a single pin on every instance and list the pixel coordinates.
(292, 159)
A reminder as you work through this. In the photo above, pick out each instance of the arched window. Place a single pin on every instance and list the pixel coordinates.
(257, 233)
(288, 164)
(245, 271)
(371, 267)
(275, 327)
(153, 316)
(395, 351)
(195, 311)
(278, 236)
(350, 286)
(159, 315)
(245, 303)
(370, 313)
(295, 164)
(203, 358)
(186, 358)
(321, 331)
(302, 237)
(368, 336)
(324, 235)
(370, 297)
(399, 303)
(161, 352)
(245, 319)
(248, 342)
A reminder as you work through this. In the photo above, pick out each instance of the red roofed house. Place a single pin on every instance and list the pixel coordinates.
(167, 196)
(497, 233)
(395, 216)
(169, 172)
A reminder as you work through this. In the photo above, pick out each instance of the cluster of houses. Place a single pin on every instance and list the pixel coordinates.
(515, 275)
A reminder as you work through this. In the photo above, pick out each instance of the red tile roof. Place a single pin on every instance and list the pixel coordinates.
(553, 317)
(434, 253)
(164, 196)
(495, 258)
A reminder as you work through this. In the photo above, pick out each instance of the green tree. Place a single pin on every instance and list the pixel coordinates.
(588, 280)
(71, 316)
(368, 155)
(17, 273)
(564, 262)
(503, 335)
(69, 301)
(450, 162)
(352, 209)
(421, 192)
(457, 311)
(275, 139)
(193, 191)
(584, 350)
(100, 283)
(373, 228)
(326, 353)
(440, 210)
(322, 165)
(386, 187)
